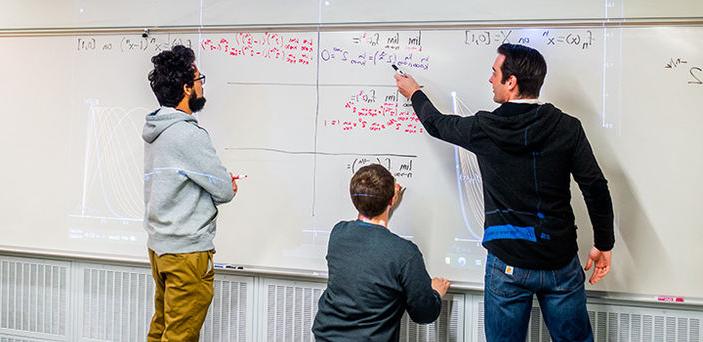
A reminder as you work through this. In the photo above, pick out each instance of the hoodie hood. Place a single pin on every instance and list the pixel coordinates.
(517, 131)
(161, 119)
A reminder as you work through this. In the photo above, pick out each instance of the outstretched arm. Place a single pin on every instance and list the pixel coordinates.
(453, 129)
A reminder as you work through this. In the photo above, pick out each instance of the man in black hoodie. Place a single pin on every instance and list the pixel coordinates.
(526, 152)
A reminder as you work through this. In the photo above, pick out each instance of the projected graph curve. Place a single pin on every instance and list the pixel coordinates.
(468, 178)
(112, 177)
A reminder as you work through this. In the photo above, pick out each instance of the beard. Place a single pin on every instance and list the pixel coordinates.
(196, 103)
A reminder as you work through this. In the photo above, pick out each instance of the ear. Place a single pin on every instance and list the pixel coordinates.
(187, 90)
(512, 82)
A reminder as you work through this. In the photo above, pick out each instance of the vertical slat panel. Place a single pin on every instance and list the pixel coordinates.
(694, 334)
(33, 296)
(290, 308)
(636, 328)
(670, 329)
(624, 327)
(647, 329)
(116, 303)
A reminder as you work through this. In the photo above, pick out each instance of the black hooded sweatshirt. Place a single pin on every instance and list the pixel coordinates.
(526, 154)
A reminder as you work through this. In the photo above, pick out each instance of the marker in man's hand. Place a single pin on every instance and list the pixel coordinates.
(395, 67)
(236, 177)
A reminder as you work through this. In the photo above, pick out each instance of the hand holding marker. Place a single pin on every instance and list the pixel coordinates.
(395, 67)
(234, 180)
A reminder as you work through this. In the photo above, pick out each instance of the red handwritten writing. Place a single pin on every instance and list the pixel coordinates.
(367, 114)
(273, 46)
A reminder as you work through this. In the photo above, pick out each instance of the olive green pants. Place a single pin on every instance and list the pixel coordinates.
(183, 292)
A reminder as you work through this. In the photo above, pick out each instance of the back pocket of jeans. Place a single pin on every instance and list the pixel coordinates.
(504, 280)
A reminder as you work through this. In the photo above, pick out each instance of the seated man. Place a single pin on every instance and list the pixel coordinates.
(374, 275)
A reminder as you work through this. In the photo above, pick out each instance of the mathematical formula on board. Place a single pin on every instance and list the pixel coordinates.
(695, 71)
(580, 39)
(365, 48)
(288, 48)
(369, 110)
(400, 167)
(404, 48)
(374, 48)
(285, 48)
(129, 44)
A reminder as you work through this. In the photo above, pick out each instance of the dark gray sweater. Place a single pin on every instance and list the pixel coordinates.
(374, 277)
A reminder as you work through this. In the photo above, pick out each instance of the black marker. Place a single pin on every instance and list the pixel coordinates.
(395, 67)
(227, 266)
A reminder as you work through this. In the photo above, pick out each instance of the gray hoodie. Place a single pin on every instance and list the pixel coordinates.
(183, 182)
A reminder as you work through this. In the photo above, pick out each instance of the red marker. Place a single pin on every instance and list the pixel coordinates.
(239, 177)
(670, 299)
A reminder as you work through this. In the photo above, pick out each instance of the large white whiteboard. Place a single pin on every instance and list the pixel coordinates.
(73, 154)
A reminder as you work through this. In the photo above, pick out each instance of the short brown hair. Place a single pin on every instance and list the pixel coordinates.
(527, 65)
(372, 189)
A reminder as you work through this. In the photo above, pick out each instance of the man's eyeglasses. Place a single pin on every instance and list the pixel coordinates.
(201, 79)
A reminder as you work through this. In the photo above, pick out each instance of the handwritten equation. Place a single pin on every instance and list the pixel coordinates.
(130, 44)
(342, 55)
(366, 110)
(695, 72)
(400, 167)
(392, 41)
(292, 49)
(374, 48)
(287, 48)
(580, 39)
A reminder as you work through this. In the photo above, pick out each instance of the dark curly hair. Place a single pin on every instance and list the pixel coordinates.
(371, 189)
(527, 65)
(172, 69)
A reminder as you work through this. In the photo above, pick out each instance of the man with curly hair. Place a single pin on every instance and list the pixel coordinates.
(184, 181)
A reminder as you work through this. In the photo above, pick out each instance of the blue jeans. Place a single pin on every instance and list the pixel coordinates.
(561, 295)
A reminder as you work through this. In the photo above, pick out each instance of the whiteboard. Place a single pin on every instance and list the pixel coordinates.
(282, 108)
